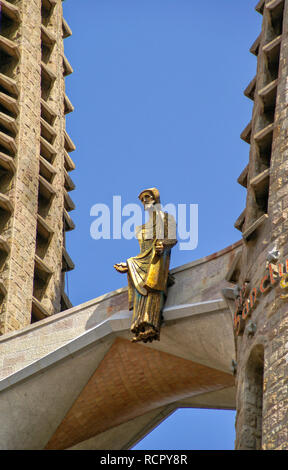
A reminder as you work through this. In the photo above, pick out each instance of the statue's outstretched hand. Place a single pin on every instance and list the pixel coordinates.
(121, 267)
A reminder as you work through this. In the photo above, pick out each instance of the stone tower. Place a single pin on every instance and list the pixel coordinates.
(34, 162)
(260, 270)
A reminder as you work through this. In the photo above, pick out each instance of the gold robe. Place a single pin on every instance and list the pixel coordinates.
(148, 274)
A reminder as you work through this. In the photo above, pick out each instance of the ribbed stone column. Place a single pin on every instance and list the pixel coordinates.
(262, 369)
(18, 275)
(34, 162)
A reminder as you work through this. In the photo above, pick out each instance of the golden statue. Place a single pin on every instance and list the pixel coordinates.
(148, 272)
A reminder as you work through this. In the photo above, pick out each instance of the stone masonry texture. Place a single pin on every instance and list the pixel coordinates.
(33, 275)
(262, 368)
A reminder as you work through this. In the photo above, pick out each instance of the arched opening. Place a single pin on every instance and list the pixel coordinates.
(251, 430)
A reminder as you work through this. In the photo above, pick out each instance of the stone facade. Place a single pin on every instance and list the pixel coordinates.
(34, 162)
(262, 369)
(34, 216)
(75, 380)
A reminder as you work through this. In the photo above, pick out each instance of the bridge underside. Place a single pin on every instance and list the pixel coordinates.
(75, 381)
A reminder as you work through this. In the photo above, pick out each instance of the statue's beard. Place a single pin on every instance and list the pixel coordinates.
(149, 206)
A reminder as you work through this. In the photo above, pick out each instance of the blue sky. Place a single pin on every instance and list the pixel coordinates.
(158, 95)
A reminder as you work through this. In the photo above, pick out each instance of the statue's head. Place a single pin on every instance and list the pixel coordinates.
(149, 198)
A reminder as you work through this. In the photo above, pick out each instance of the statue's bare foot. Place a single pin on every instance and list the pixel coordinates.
(135, 339)
(147, 334)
